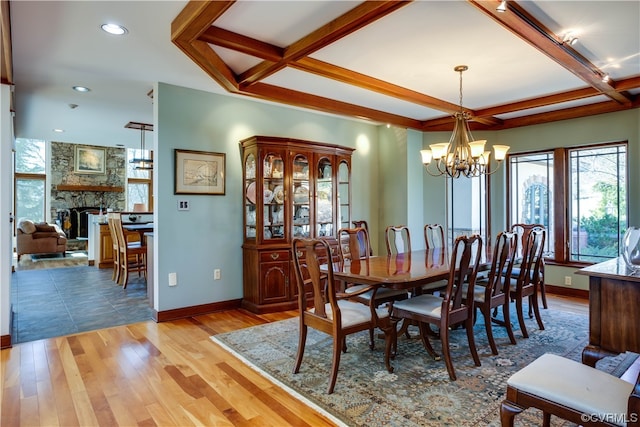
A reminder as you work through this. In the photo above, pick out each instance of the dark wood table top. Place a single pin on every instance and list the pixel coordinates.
(400, 271)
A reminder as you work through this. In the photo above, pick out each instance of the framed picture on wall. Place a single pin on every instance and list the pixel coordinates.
(199, 172)
(89, 160)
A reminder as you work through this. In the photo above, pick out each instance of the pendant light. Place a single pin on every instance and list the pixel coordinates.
(141, 162)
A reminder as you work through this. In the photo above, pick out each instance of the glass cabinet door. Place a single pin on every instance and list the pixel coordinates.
(324, 199)
(301, 208)
(273, 197)
(250, 196)
(344, 198)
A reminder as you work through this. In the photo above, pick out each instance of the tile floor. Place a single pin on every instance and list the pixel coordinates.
(61, 301)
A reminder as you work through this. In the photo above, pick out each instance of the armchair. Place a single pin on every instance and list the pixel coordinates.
(39, 238)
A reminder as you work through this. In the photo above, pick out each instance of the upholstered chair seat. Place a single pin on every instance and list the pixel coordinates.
(571, 390)
(354, 313)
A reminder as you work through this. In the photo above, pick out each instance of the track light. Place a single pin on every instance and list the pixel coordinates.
(502, 7)
(570, 39)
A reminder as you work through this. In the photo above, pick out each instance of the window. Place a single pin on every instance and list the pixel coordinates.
(598, 207)
(591, 196)
(467, 208)
(139, 181)
(30, 179)
(531, 181)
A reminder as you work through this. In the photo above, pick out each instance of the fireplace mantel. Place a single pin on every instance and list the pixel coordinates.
(97, 188)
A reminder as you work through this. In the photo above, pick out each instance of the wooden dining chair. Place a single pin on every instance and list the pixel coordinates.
(526, 282)
(523, 231)
(397, 239)
(323, 307)
(434, 236)
(436, 244)
(115, 276)
(354, 244)
(493, 291)
(361, 223)
(132, 255)
(448, 309)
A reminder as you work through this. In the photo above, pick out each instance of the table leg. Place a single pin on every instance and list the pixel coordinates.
(389, 327)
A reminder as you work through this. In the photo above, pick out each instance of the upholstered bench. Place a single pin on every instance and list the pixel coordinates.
(572, 391)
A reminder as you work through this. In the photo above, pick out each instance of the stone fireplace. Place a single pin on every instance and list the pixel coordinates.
(74, 195)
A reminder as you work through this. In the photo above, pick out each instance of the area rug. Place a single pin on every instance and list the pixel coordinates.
(58, 256)
(418, 392)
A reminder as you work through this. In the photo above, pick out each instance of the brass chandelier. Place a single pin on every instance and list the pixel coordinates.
(462, 155)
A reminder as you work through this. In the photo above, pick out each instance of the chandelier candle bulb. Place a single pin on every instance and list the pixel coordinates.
(477, 148)
(501, 151)
(426, 156)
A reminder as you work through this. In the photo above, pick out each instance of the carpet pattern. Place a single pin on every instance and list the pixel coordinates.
(419, 392)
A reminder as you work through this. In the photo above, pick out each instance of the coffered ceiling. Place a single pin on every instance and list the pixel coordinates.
(387, 62)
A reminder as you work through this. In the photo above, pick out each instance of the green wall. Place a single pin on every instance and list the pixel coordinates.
(389, 183)
(208, 236)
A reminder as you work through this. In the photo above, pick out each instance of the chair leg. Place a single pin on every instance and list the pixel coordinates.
(302, 340)
(372, 344)
(424, 335)
(472, 340)
(536, 310)
(519, 310)
(543, 293)
(508, 411)
(446, 351)
(337, 349)
(487, 324)
(507, 322)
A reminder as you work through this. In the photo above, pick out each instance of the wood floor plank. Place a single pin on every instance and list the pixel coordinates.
(61, 391)
(153, 374)
(47, 411)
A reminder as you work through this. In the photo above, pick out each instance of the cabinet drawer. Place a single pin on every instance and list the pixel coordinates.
(274, 256)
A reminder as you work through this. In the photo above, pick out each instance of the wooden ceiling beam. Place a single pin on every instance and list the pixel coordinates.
(363, 81)
(569, 113)
(358, 17)
(541, 101)
(524, 25)
(314, 102)
(238, 42)
(195, 19)
(6, 59)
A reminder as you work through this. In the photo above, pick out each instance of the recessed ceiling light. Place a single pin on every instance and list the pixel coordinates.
(81, 89)
(114, 29)
(58, 130)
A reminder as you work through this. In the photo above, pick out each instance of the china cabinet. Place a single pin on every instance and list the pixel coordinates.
(291, 188)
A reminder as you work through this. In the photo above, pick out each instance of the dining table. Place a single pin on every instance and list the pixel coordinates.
(140, 228)
(410, 271)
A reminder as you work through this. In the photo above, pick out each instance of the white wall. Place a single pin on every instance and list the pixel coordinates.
(6, 206)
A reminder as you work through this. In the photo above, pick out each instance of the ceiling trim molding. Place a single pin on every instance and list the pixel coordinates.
(193, 31)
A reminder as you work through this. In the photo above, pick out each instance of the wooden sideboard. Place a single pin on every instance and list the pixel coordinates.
(614, 310)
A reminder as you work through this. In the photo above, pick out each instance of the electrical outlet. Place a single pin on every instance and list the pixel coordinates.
(183, 205)
(173, 279)
(216, 274)
(567, 280)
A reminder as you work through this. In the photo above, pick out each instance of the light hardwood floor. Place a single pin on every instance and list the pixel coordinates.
(146, 374)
